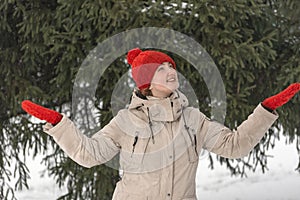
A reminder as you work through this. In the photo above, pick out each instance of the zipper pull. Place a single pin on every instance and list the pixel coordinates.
(195, 140)
(134, 143)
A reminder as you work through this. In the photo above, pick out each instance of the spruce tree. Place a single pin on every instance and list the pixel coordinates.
(255, 45)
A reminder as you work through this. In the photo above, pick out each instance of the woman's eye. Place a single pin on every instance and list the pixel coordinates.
(170, 65)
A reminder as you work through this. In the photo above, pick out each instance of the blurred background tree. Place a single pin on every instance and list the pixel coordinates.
(255, 45)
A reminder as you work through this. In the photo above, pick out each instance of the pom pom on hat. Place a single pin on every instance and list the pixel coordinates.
(144, 65)
(132, 54)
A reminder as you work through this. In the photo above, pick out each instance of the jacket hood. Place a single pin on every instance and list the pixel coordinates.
(159, 109)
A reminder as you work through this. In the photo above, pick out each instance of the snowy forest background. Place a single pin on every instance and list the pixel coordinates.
(254, 43)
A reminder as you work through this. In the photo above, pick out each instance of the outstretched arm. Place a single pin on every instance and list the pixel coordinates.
(238, 143)
(88, 152)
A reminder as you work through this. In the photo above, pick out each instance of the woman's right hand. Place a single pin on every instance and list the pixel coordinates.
(41, 112)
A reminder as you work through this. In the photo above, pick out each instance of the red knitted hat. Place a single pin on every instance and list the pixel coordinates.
(144, 65)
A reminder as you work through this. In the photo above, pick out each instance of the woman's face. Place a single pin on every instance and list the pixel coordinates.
(164, 81)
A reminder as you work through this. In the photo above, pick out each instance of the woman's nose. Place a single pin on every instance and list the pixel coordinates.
(171, 70)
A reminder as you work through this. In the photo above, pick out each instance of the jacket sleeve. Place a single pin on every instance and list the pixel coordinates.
(86, 151)
(237, 143)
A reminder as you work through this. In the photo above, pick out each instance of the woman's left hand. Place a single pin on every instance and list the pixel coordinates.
(281, 98)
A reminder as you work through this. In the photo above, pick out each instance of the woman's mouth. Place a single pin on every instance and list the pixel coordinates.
(171, 79)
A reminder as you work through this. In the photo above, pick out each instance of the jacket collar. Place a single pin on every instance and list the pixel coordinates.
(159, 109)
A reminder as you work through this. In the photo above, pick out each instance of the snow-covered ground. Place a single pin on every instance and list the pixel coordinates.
(281, 182)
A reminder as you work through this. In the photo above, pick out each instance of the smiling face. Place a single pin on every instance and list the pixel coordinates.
(164, 81)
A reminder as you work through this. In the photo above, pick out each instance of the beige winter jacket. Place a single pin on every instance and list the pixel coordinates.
(159, 141)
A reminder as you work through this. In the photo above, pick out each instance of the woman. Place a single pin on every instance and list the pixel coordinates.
(159, 136)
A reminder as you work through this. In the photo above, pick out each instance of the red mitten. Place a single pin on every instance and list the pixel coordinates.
(41, 112)
(281, 98)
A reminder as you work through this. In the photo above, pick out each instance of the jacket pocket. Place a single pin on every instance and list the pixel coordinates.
(190, 138)
(132, 157)
(193, 154)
